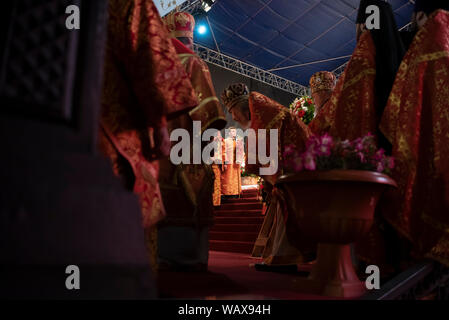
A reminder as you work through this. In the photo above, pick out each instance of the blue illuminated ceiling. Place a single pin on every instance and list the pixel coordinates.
(277, 33)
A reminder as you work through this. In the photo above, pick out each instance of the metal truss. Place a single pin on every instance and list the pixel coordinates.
(190, 6)
(240, 67)
(249, 71)
(339, 71)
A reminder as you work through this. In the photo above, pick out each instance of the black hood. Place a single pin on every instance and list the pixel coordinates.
(389, 49)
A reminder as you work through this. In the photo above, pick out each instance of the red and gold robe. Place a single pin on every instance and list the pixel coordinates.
(321, 123)
(144, 83)
(351, 111)
(231, 178)
(416, 122)
(192, 185)
(273, 243)
(268, 114)
(209, 110)
(217, 167)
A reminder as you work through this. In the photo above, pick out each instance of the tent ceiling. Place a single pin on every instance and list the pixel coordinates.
(278, 33)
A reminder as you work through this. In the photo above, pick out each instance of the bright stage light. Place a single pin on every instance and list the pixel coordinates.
(202, 29)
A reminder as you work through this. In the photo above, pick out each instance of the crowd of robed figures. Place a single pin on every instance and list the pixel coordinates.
(395, 86)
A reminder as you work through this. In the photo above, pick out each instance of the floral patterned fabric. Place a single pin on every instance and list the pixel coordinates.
(416, 122)
(321, 124)
(144, 83)
(216, 197)
(208, 110)
(268, 114)
(273, 243)
(231, 181)
(192, 185)
(351, 112)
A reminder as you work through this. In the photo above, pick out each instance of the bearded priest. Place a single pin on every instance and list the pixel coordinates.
(255, 111)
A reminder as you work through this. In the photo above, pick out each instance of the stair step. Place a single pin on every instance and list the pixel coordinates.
(236, 228)
(252, 191)
(231, 246)
(246, 193)
(233, 236)
(237, 223)
(238, 213)
(241, 200)
(241, 206)
(249, 190)
(242, 197)
(238, 220)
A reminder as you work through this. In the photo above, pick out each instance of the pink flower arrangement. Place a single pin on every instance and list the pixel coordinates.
(325, 153)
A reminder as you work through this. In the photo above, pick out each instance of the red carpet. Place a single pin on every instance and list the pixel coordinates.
(237, 224)
(231, 276)
(231, 272)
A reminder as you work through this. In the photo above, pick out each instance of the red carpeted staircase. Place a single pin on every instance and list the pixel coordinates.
(237, 224)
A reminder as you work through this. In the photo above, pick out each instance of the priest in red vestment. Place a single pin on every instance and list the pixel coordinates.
(187, 189)
(256, 111)
(322, 84)
(416, 122)
(231, 176)
(144, 85)
(362, 90)
(217, 167)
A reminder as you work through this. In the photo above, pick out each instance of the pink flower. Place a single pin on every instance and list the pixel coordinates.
(327, 140)
(361, 156)
(369, 142)
(358, 143)
(289, 150)
(324, 150)
(380, 167)
(312, 144)
(345, 144)
(379, 154)
(309, 161)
